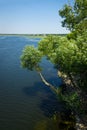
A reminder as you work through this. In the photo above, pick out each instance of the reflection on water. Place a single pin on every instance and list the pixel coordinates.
(25, 102)
(59, 121)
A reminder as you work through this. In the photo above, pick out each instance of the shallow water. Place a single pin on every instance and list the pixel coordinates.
(25, 101)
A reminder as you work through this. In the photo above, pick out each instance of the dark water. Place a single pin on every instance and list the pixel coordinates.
(25, 102)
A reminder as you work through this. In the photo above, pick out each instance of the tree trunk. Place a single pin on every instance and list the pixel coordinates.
(74, 82)
(71, 78)
(53, 88)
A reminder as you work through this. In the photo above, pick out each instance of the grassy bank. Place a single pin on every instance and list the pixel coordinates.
(32, 35)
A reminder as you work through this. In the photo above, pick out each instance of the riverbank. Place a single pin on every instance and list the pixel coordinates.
(32, 35)
(75, 100)
(25, 35)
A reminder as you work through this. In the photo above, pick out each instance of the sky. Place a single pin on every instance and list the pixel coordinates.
(31, 17)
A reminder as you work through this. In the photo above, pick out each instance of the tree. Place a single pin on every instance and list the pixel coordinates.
(67, 53)
(75, 17)
(30, 59)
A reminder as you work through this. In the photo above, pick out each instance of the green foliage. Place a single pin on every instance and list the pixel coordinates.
(68, 16)
(72, 100)
(68, 53)
(75, 16)
(75, 19)
(30, 58)
(48, 46)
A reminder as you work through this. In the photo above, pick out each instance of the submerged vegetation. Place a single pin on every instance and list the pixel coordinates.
(69, 54)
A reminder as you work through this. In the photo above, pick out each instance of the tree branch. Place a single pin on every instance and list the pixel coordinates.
(53, 88)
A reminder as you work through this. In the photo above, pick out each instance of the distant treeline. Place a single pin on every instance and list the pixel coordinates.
(32, 35)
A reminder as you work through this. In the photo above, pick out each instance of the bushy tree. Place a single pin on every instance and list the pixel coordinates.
(67, 53)
(75, 17)
(30, 58)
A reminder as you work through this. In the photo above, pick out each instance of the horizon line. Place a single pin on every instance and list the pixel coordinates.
(31, 33)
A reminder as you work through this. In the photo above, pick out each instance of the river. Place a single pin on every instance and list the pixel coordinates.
(25, 102)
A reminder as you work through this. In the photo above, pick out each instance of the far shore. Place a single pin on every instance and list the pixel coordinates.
(32, 35)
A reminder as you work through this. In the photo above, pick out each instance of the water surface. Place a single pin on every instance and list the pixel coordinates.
(25, 101)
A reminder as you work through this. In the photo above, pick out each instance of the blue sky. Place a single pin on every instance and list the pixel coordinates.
(31, 16)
